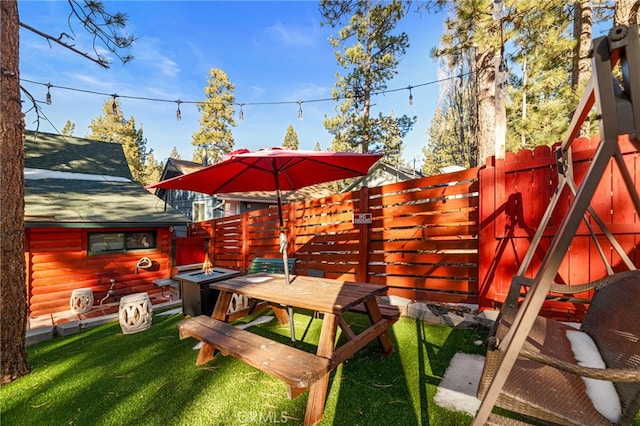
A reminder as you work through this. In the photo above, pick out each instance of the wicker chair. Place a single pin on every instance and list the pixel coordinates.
(545, 384)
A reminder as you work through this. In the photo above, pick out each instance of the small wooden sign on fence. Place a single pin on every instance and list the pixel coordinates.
(362, 218)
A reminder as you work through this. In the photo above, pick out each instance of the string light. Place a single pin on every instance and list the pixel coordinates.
(114, 105)
(178, 113)
(355, 97)
(47, 97)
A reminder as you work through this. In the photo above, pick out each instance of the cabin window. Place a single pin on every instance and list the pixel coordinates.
(109, 242)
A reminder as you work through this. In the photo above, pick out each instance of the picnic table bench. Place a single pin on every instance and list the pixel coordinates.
(389, 312)
(298, 369)
(271, 265)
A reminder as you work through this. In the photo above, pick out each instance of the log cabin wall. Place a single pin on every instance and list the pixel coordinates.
(58, 262)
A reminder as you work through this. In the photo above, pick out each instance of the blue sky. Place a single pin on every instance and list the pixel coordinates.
(271, 51)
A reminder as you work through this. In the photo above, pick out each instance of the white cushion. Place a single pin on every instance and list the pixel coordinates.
(602, 393)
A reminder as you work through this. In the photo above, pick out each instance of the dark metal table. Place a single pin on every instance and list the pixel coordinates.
(197, 297)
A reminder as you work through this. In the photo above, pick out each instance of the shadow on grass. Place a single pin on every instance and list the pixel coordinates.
(103, 377)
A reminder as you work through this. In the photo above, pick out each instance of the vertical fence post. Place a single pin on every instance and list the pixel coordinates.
(290, 234)
(363, 237)
(486, 234)
(212, 241)
(245, 242)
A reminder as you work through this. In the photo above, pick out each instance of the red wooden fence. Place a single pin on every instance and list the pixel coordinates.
(422, 241)
(457, 237)
(515, 193)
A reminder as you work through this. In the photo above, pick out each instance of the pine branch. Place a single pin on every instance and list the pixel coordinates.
(99, 60)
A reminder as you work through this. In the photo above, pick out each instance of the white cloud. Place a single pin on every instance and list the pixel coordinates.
(168, 67)
(310, 91)
(291, 35)
(148, 55)
(257, 91)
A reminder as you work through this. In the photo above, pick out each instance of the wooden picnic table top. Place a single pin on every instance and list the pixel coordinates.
(313, 293)
(331, 297)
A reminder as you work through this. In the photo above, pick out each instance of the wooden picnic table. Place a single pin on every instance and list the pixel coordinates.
(298, 369)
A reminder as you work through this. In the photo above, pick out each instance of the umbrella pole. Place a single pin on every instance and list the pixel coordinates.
(285, 260)
(283, 249)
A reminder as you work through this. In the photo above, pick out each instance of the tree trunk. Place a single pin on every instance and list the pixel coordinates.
(582, 33)
(13, 295)
(626, 12)
(486, 105)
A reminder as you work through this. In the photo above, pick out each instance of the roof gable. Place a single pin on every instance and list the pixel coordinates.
(383, 173)
(70, 154)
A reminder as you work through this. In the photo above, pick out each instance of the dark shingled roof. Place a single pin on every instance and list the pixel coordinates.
(87, 203)
(75, 155)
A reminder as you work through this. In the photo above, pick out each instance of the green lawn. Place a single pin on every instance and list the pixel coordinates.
(102, 377)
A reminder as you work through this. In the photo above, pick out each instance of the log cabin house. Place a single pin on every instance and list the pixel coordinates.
(87, 223)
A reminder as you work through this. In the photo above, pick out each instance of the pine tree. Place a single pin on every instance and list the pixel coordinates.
(371, 61)
(542, 97)
(472, 30)
(291, 138)
(152, 169)
(69, 128)
(214, 138)
(174, 153)
(113, 127)
(544, 82)
(581, 64)
(451, 133)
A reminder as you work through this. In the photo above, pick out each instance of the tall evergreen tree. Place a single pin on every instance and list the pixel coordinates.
(541, 94)
(471, 27)
(113, 127)
(581, 64)
(214, 139)
(174, 153)
(370, 52)
(549, 68)
(69, 128)
(13, 294)
(152, 168)
(452, 132)
(291, 138)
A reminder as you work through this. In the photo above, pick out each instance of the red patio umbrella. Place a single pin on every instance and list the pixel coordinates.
(274, 169)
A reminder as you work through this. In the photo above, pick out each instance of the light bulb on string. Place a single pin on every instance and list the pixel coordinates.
(241, 113)
(299, 110)
(114, 105)
(47, 97)
(178, 112)
(410, 96)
